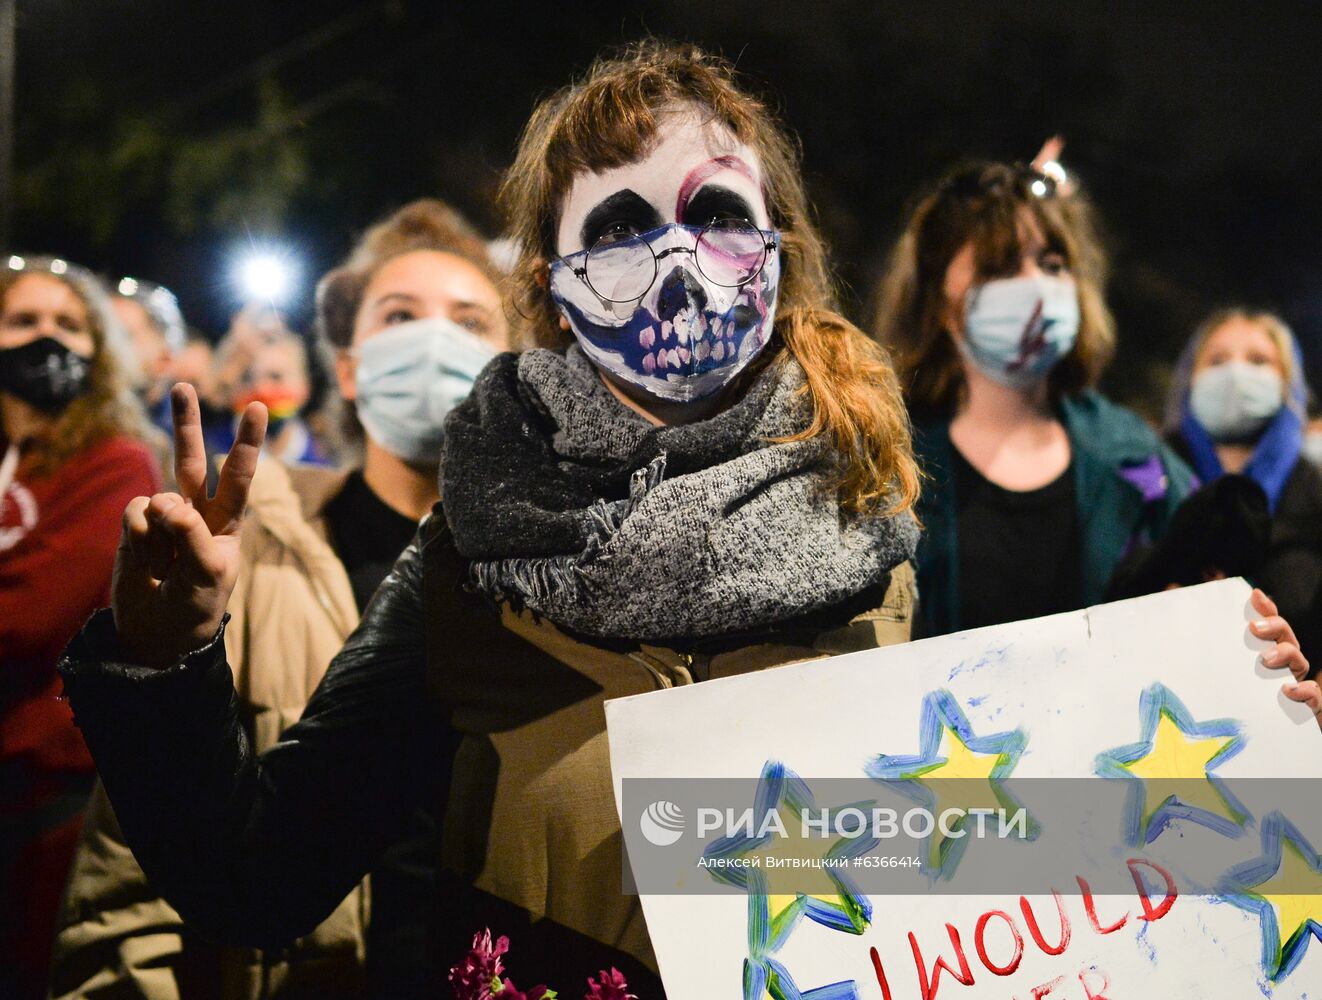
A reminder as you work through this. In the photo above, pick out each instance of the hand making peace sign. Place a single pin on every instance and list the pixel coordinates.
(178, 555)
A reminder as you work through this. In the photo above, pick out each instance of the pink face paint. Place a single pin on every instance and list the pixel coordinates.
(704, 172)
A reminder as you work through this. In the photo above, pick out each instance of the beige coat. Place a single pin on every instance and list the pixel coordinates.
(530, 818)
(291, 611)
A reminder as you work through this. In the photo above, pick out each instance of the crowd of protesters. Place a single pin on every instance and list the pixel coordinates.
(682, 358)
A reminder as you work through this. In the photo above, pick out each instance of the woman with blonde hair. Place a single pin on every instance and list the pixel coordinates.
(993, 309)
(410, 318)
(72, 454)
(702, 470)
(1237, 406)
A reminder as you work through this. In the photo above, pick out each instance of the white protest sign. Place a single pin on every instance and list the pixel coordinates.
(1123, 695)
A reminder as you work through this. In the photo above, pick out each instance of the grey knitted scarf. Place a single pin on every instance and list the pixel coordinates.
(714, 529)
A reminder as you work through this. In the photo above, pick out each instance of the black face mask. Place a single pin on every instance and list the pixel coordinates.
(44, 374)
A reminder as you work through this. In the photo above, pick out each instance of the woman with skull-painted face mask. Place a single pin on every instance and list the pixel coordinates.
(1237, 406)
(72, 454)
(702, 470)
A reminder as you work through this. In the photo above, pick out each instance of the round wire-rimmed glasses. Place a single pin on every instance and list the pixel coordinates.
(621, 267)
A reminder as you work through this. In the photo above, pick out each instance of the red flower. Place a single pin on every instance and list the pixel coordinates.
(611, 987)
(477, 976)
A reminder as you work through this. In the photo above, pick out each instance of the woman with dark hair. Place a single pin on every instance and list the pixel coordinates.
(702, 470)
(993, 309)
(411, 318)
(72, 454)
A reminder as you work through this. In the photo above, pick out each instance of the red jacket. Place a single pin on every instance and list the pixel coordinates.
(58, 536)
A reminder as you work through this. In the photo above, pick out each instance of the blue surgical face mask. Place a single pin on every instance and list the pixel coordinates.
(1016, 329)
(409, 379)
(1235, 401)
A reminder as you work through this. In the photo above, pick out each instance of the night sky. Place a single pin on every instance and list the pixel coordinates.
(157, 138)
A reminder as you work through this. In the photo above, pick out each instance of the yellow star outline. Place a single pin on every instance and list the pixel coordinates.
(1176, 757)
(1283, 888)
(1171, 770)
(1295, 893)
(964, 782)
(827, 896)
(963, 763)
(955, 769)
(795, 846)
(796, 884)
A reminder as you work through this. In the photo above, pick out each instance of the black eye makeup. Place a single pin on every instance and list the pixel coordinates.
(716, 203)
(625, 212)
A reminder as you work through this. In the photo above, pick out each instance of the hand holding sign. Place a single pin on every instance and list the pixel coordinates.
(1286, 653)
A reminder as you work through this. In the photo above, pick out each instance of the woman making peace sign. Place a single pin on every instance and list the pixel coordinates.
(703, 471)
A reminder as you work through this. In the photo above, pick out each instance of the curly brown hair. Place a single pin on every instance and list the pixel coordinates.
(983, 203)
(610, 118)
(107, 409)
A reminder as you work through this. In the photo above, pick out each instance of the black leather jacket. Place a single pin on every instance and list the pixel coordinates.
(257, 850)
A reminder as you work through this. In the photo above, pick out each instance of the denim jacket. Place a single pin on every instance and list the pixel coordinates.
(1127, 484)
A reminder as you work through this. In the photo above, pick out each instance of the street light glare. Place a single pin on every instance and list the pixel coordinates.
(265, 276)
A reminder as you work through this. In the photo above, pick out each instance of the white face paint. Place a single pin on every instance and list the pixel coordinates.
(687, 156)
(710, 308)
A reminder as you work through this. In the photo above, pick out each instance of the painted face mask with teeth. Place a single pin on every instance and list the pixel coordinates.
(689, 334)
(678, 304)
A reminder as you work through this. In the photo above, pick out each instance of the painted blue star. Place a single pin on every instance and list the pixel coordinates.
(1283, 888)
(848, 910)
(968, 759)
(768, 977)
(1175, 747)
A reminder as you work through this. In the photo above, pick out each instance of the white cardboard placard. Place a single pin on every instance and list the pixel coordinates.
(1074, 685)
